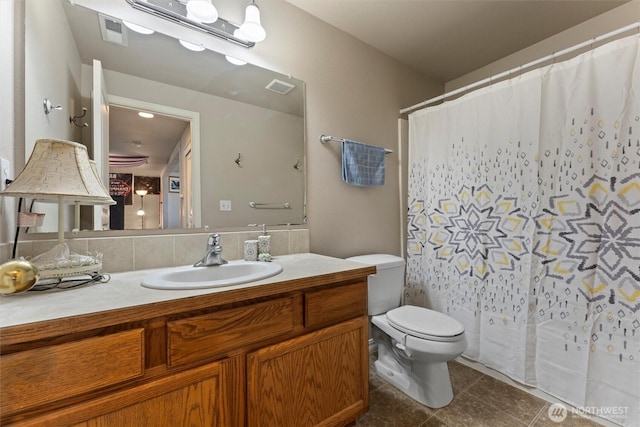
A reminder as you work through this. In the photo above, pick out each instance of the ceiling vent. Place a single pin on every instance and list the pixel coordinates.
(112, 30)
(278, 86)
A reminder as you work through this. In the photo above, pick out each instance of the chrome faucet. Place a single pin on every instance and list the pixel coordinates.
(264, 228)
(213, 256)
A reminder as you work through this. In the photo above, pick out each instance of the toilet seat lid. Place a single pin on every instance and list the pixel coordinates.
(424, 323)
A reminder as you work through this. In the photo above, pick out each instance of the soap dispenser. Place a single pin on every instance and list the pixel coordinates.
(264, 245)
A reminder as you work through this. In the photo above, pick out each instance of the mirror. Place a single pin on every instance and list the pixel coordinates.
(245, 165)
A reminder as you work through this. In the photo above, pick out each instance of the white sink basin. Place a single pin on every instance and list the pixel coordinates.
(233, 273)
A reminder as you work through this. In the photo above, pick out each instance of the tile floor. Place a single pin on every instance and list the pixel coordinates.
(479, 400)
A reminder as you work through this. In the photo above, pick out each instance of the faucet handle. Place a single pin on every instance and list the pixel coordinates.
(214, 240)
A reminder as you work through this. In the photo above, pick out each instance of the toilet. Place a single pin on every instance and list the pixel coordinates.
(414, 343)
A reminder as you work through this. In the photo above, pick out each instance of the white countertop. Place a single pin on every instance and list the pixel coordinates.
(124, 290)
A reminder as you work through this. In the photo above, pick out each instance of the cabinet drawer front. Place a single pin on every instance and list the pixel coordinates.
(214, 334)
(35, 377)
(190, 398)
(333, 305)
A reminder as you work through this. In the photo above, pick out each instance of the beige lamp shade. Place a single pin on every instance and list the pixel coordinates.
(60, 171)
(94, 169)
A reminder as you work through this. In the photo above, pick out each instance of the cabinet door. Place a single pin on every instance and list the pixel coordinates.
(318, 379)
(190, 398)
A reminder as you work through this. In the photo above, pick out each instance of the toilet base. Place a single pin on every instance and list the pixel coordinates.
(425, 382)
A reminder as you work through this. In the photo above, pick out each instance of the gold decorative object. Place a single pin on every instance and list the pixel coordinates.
(17, 276)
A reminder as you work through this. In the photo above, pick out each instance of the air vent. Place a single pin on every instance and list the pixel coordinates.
(112, 30)
(278, 86)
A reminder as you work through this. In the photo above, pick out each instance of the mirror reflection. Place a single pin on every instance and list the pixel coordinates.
(225, 147)
(143, 144)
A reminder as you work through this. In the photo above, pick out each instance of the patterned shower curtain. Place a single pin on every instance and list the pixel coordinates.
(524, 224)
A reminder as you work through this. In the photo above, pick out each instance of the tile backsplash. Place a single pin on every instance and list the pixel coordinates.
(143, 252)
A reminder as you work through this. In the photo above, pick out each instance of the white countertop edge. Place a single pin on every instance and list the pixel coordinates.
(124, 291)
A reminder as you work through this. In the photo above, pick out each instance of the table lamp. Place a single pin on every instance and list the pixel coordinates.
(60, 172)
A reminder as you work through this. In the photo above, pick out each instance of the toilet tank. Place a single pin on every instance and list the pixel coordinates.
(386, 286)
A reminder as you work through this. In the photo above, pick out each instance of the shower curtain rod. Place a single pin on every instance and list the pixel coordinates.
(522, 67)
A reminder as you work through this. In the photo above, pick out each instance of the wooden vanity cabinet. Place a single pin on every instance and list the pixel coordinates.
(292, 358)
(318, 379)
(190, 398)
(39, 376)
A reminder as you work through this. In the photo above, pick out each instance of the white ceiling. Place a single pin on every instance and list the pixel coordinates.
(130, 134)
(445, 39)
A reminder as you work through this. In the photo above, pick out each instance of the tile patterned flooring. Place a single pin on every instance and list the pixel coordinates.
(479, 400)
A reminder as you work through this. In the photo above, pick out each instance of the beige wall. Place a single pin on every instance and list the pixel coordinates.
(52, 71)
(11, 121)
(53, 68)
(602, 24)
(353, 91)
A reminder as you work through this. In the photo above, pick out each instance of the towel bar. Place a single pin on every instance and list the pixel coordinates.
(285, 205)
(326, 138)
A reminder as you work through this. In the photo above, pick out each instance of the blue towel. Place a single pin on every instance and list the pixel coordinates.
(362, 164)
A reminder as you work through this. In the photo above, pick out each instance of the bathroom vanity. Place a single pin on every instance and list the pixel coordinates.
(291, 350)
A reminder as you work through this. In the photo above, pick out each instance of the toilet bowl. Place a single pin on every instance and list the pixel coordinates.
(413, 353)
(414, 343)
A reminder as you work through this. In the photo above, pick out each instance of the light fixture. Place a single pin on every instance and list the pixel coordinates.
(138, 28)
(128, 160)
(251, 27)
(235, 61)
(184, 13)
(140, 213)
(191, 46)
(202, 11)
(231, 59)
(145, 115)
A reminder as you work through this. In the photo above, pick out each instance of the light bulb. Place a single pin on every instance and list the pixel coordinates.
(138, 28)
(251, 28)
(140, 212)
(192, 46)
(235, 61)
(202, 11)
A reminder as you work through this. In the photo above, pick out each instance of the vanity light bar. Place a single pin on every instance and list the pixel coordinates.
(176, 12)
